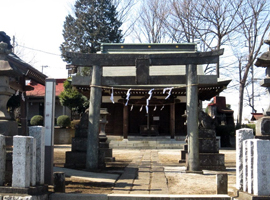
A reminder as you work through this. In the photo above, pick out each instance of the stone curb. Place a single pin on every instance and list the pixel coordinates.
(57, 196)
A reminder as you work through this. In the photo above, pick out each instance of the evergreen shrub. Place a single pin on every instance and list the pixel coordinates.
(63, 121)
(37, 120)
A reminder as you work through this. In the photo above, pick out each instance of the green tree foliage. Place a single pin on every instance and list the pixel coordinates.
(72, 99)
(93, 22)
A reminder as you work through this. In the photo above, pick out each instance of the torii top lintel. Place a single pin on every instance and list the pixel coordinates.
(196, 58)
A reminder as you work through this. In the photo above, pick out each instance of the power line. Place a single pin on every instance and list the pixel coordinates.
(38, 50)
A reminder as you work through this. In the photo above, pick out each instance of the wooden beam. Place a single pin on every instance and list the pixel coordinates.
(87, 60)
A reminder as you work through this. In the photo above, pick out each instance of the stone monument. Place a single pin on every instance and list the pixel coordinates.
(76, 158)
(210, 158)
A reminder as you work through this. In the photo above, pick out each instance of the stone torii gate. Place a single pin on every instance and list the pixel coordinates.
(143, 61)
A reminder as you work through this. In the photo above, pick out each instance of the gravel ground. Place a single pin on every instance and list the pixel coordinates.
(178, 183)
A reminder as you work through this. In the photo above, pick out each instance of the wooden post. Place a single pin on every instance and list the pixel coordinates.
(125, 122)
(222, 183)
(94, 116)
(172, 120)
(23, 102)
(192, 119)
(59, 182)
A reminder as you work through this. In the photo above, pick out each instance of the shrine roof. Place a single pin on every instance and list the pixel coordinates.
(39, 90)
(22, 68)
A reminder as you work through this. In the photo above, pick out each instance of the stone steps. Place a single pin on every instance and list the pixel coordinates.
(147, 143)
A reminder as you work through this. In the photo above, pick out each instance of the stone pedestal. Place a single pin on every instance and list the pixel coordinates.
(76, 158)
(33, 163)
(21, 161)
(38, 132)
(209, 155)
(241, 135)
(261, 171)
(2, 159)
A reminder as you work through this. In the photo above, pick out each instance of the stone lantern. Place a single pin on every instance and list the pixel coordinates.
(102, 124)
(105, 152)
(7, 126)
(263, 124)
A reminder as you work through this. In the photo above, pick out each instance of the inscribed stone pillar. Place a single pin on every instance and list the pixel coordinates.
(21, 161)
(245, 166)
(38, 132)
(94, 116)
(261, 171)
(241, 135)
(2, 159)
(49, 129)
(33, 170)
(250, 163)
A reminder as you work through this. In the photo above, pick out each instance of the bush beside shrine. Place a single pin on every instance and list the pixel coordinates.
(36, 120)
(63, 121)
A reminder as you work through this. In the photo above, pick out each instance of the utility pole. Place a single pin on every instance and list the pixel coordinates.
(43, 66)
(13, 44)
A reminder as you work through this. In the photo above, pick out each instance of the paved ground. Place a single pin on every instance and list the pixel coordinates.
(144, 172)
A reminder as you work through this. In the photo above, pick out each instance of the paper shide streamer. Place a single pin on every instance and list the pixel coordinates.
(149, 98)
(131, 108)
(128, 95)
(169, 93)
(141, 108)
(112, 98)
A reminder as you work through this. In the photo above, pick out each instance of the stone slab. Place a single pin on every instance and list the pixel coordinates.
(246, 196)
(37, 190)
(208, 145)
(250, 163)
(38, 132)
(241, 135)
(245, 166)
(136, 197)
(21, 161)
(2, 159)
(88, 176)
(261, 171)
(33, 163)
(207, 133)
(79, 144)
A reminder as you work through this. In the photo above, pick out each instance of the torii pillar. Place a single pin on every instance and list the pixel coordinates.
(92, 152)
(192, 119)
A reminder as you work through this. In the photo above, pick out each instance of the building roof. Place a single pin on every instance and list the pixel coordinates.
(39, 90)
(256, 116)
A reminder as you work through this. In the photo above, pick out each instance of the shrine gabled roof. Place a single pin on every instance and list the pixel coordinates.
(22, 68)
(39, 89)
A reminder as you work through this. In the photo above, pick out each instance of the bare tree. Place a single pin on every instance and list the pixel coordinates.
(255, 23)
(125, 14)
(150, 25)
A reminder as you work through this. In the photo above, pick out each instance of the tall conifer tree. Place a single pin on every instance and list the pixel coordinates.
(94, 22)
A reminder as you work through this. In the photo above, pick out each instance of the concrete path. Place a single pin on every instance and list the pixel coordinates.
(144, 175)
